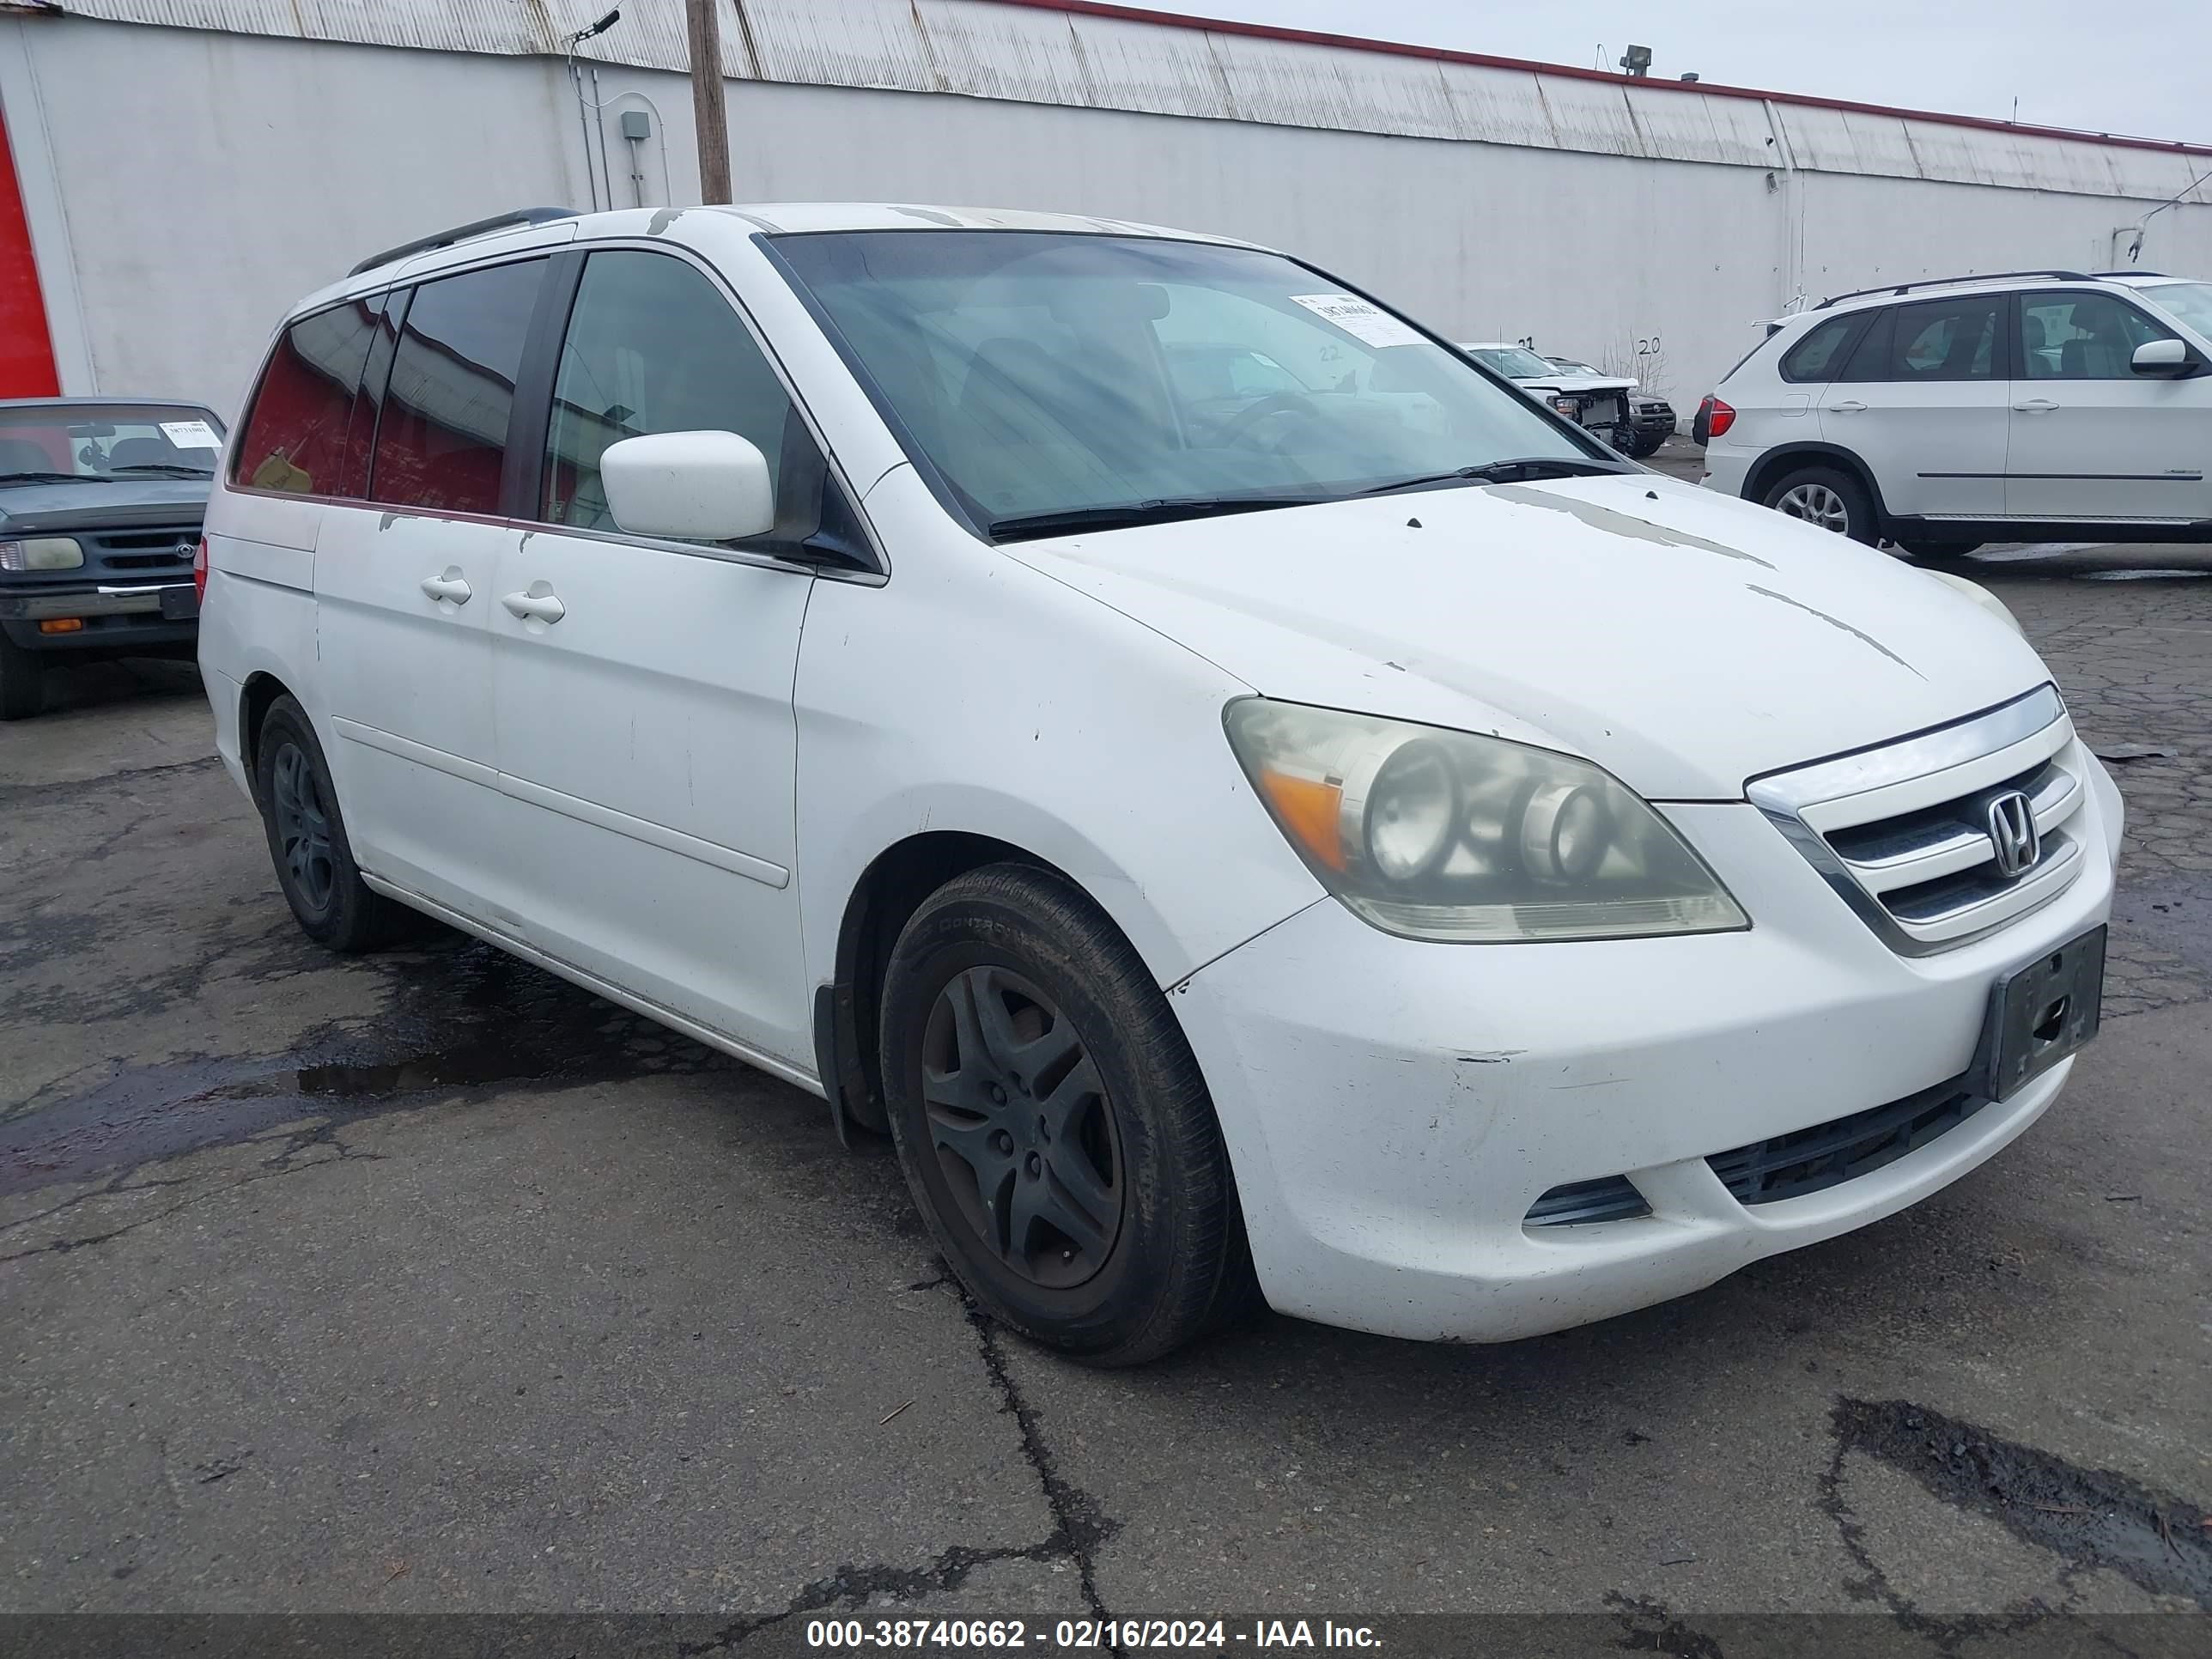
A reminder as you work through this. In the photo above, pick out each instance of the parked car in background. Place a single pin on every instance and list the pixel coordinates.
(1651, 421)
(1238, 839)
(101, 503)
(1943, 413)
(1599, 402)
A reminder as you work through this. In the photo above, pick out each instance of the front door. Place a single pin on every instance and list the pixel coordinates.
(1923, 402)
(404, 583)
(2090, 438)
(643, 690)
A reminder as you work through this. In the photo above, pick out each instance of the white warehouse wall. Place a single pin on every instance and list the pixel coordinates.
(299, 157)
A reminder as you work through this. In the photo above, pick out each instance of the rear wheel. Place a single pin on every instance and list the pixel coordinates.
(308, 839)
(22, 681)
(1052, 1124)
(1826, 497)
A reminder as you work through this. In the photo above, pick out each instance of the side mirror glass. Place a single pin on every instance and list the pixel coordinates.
(689, 486)
(2160, 357)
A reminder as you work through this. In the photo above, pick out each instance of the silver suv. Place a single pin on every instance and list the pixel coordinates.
(1943, 413)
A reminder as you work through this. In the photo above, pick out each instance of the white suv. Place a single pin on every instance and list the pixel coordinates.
(2040, 405)
(1248, 800)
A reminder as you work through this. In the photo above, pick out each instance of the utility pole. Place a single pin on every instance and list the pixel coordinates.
(704, 26)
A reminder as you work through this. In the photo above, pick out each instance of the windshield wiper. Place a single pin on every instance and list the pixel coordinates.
(1127, 514)
(166, 469)
(1519, 470)
(47, 477)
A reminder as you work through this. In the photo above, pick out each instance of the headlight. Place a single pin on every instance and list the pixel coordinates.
(1567, 406)
(41, 553)
(1440, 834)
(1981, 595)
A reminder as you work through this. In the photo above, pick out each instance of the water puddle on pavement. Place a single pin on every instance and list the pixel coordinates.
(2088, 1517)
(466, 1018)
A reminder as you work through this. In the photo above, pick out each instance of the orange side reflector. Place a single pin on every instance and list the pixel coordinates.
(62, 625)
(1310, 811)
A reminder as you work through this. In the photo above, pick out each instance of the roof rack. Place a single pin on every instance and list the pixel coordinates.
(2132, 271)
(1948, 282)
(537, 215)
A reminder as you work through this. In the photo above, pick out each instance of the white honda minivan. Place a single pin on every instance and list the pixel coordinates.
(1336, 834)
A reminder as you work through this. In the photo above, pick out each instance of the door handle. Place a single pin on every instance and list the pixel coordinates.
(451, 586)
(2036, 406)
(536, 603)
(1849, 406)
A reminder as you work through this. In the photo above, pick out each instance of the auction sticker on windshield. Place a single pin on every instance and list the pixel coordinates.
(190, 434)
(1356, 318)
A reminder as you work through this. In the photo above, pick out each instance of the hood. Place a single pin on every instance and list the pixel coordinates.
(28, 510)
(1683, 640)
(1578, 383)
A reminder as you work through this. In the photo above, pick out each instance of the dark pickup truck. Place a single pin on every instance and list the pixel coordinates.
(100, 504)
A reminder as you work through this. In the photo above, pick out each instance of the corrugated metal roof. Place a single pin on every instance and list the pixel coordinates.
(1087, 54)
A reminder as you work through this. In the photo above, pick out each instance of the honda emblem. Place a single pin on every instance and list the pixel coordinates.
(2012, 832)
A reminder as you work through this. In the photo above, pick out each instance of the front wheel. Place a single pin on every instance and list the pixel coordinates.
(1823, 496)
(22, 681)
(1053, 1124)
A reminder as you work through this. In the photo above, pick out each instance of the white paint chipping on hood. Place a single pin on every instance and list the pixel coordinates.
(1684, 641)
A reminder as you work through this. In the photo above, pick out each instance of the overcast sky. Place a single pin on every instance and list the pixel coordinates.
(2123, 66)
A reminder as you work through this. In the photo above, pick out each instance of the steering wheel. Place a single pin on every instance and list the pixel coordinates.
(1237, 429)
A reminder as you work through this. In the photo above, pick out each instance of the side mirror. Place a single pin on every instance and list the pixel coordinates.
(689, 486)
(2161, 357)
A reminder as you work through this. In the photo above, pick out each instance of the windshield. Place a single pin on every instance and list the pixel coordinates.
(1515, 364)
(2191, 301)
(45, 443)
(1038, 374)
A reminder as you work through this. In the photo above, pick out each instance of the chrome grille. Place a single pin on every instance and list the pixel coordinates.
(1901, 831)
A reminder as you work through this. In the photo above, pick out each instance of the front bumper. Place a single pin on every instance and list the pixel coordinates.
(1392, 1108)
(116, 616)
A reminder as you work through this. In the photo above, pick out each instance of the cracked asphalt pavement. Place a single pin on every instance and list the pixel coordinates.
(426, 1282)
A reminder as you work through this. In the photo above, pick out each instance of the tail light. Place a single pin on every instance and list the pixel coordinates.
(199, 573)
(1714, 418)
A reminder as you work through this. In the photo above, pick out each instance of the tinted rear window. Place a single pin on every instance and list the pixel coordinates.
(294, 439)
(442, 440)
(1820, 353)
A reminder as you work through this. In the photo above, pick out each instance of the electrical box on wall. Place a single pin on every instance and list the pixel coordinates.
(636, 124)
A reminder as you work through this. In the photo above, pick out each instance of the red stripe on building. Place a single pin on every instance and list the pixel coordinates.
(27, 349)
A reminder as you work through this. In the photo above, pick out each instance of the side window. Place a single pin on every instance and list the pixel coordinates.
(2082, 337)
(295, 435)
(1816, 358)
(1934, 340)
(382, 315)
(654, 346)
(442, 441)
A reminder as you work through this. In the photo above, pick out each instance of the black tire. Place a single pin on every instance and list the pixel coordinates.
(1827, 497)
(1138, 1135)
(308, 839)
(22, 681)
(1647, 444)
(1936, 552)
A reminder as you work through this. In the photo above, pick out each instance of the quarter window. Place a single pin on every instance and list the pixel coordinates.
(1817, 356)
(2082, 337)
(653, 346)
(442, 441)
(295, 438)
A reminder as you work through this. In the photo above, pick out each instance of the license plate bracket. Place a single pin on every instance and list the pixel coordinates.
(2040, 1013)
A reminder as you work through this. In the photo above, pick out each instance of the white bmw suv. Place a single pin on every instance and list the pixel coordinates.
(1942, 415)
(1248, 801)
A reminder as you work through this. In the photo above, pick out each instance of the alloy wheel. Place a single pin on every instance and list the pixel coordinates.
(303, 827)
(1815, 503)
(1022, 1127)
